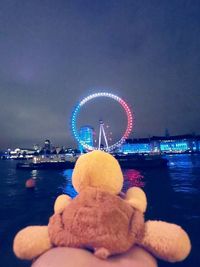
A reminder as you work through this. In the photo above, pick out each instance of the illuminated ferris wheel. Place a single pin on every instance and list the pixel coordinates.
(102, 133)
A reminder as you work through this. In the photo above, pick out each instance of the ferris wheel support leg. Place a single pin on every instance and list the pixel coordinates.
(99, 137)
(105, 138)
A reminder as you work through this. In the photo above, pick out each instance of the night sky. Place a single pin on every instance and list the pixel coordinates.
(53, 53)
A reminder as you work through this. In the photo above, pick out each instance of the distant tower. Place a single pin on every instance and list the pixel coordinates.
(36, 147)
(167, 133)
(86, 134)
(47, 145)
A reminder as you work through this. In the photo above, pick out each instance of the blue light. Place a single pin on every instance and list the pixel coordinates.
(86, 137)
(136, 148)
(178, 146)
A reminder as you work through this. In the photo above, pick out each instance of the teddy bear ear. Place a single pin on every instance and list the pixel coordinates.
(136, 197)
(61, 202)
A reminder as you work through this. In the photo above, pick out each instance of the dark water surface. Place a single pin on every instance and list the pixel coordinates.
(173, 195)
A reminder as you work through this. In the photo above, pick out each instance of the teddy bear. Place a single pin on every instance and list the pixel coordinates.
(102, 219)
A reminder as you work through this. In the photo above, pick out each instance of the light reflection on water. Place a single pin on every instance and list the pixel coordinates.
(68, 187)
(184, 170)
(34, 174)
(131, 178)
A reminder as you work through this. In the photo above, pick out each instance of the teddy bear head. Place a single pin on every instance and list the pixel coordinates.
(98, 169)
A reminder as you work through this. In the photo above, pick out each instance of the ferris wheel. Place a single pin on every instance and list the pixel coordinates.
(102, 134)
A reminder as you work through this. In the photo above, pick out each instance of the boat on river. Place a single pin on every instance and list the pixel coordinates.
(126, 162)
(46, 163)
(136, 161)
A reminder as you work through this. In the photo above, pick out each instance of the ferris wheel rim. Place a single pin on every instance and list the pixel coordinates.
(122, 103)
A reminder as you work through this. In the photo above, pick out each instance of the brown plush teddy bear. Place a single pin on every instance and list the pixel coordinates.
(102, 219)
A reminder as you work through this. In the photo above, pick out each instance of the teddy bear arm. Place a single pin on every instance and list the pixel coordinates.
(61, 202)
(31, 242)
(136, 198)
(166, 241)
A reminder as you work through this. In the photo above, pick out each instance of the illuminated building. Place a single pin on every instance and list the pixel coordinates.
(162, 144)
(174, 146)
(86, 134)
(135, 147)
(20, 153)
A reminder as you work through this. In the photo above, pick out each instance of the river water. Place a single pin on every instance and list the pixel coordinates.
(173, 195)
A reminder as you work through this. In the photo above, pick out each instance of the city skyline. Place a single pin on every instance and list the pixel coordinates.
(55, 53)
(41, 144)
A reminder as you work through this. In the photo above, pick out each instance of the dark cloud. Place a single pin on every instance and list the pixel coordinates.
(53, 53)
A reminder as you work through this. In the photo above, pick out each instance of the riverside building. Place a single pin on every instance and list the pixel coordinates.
(162, 145)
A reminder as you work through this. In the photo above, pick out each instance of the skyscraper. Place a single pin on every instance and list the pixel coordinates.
(86, 134)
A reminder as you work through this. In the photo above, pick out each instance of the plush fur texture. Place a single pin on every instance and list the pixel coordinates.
(136, 197)
(98, 169)
(31, 242)
(96, 219)
(61, 202)
(166, 241)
